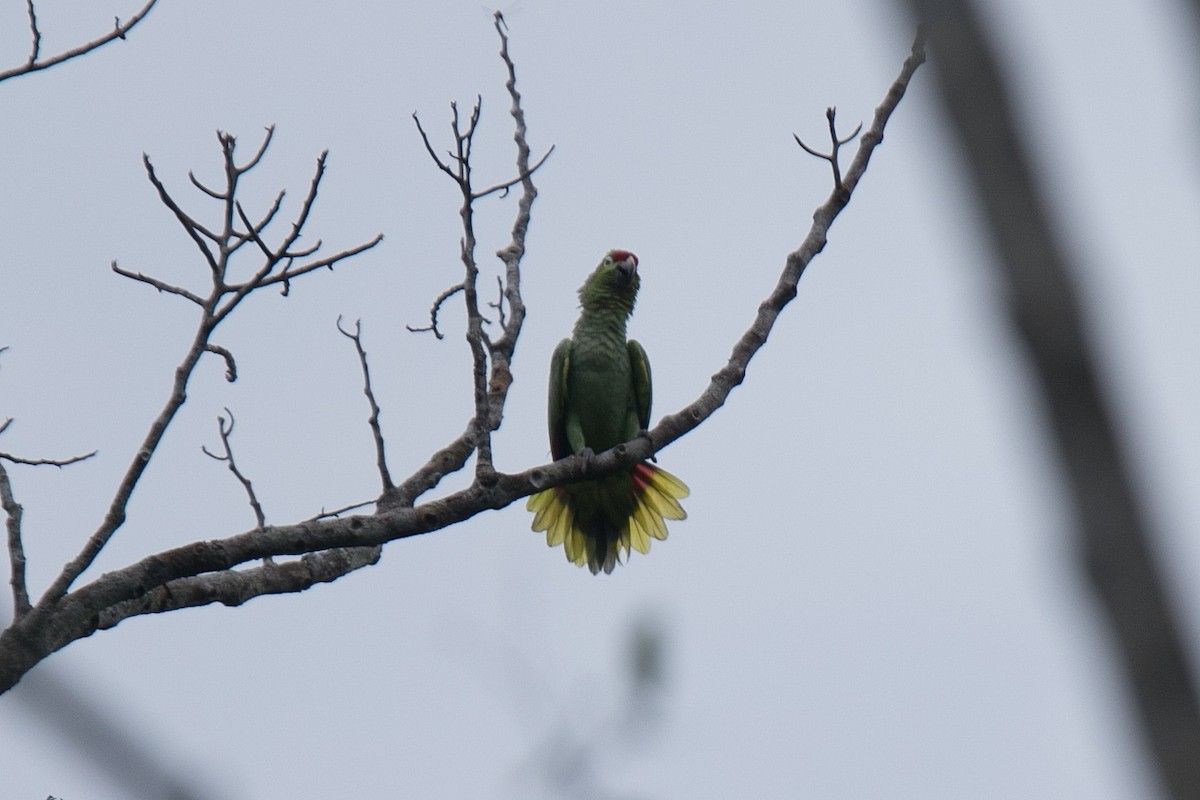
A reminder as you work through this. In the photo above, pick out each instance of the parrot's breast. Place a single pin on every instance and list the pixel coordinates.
(600, 388)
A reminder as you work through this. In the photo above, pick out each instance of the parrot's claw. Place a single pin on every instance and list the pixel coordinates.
(644, 433)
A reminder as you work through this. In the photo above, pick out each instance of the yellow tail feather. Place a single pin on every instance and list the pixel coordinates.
(657, 494)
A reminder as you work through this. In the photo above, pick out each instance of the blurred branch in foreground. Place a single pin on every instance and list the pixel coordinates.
(117, 747)
(1115, 536)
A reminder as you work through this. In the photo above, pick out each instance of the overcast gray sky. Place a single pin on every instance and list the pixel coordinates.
(875, 593)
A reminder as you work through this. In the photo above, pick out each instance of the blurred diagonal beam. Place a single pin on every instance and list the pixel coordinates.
(1115, 535)
(114, 746)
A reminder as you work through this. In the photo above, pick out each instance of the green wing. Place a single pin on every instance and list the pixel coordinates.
(560, 364)
(641, 383)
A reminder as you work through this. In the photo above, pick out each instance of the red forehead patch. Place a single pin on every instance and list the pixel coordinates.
(621, 255)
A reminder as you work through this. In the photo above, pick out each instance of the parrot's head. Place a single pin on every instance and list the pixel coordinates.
(614, 282)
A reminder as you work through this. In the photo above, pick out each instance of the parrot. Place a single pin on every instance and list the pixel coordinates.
(600, 395)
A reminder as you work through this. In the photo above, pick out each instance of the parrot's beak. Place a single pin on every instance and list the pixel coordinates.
(627, 269)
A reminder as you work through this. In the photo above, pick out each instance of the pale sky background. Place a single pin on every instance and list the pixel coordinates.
(876, 592)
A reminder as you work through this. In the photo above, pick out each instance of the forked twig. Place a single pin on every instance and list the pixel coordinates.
(432, 327)
(490, 359)
(14, 515)
(225, 429)
(832, 155)
(217, 248)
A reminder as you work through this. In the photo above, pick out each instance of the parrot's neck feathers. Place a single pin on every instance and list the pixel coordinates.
(606, 303)
(605, 315)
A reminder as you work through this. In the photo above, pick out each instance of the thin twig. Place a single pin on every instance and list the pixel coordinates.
(225, 429)
(337, 512)
(504, 187)
(499, 304)
(34, 32)
(254, 230)
(432, 327)
(376, 431)
(46, 462)
(291, 273)
(14, 512)
(213, 193)
(162, 286)
(194, 229)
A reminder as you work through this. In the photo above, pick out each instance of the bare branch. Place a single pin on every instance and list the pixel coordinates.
(262, 150)
(285, 249)
(221, 302)
(283, 253)
(453, 456)
(213, 193)
(254, 230)
(225, 428)
(515, 251)
(162, 286)
(329, 262)
(733, 373)
(119, 31)
(337, 512)
(35, 33)
(38, 462)
(193, 228)
(475, 339)
(432, 327)
(16, 550)
(376, 431)
(13, 511)
(499, 304)
(231, 372)
(254, 233)
(232, 588)
(504, 187)
(429, 148)
(46, 462)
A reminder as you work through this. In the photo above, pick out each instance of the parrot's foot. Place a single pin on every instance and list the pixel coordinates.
(644, 433)
(587, 454)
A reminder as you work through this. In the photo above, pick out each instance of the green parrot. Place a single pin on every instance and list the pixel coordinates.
(599, 398)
